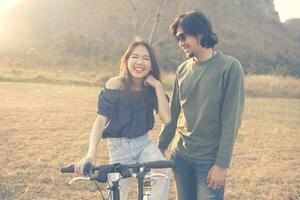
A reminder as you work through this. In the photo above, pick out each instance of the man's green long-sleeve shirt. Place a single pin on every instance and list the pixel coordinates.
(206, 108)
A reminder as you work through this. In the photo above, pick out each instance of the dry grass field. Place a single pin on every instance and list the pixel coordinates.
(256, 85)
(43, 127)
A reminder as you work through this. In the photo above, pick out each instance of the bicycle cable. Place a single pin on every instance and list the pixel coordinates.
(99, 189)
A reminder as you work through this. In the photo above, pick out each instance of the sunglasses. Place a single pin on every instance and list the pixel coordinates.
(180, 37)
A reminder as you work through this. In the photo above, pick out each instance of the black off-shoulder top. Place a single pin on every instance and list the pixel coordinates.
(130, 114)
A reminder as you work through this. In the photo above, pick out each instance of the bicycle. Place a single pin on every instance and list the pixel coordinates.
(113, 173)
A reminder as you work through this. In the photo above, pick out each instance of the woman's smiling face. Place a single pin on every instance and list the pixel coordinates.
(139, 62)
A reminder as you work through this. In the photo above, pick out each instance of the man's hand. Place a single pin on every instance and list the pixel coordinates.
(216, 177)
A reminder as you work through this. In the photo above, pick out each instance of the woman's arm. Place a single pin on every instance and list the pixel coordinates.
(164, 110)
(98, 127)
(95, 137)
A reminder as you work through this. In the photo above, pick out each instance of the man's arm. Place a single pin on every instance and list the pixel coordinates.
(168, 131)
(232, 109)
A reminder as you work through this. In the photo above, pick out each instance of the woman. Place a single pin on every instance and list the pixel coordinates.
(125, 116)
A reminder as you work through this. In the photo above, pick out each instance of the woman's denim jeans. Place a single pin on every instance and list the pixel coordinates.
(191, 181)
(140, 149)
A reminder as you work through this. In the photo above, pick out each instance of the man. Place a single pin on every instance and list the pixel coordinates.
(206, 107)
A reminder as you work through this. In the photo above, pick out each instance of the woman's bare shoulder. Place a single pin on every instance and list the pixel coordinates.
(115, 83)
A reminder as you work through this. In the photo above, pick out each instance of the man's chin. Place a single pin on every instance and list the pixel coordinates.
(189, 55)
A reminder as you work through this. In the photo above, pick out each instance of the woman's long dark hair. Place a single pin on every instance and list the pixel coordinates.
(124, 72)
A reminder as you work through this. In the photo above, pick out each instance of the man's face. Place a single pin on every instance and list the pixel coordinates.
(189, 43)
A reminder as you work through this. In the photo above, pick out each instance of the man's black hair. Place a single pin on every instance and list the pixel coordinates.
(195, 23)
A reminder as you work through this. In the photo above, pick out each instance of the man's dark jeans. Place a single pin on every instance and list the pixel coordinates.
(191, 181)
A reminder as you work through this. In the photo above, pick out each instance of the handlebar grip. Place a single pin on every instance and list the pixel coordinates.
(69, 169)
(159, 164)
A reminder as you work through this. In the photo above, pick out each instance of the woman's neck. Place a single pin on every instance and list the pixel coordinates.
(136, 84)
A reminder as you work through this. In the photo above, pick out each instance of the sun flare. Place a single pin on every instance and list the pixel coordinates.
(7, 4)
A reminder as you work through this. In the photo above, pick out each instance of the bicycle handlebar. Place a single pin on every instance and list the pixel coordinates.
(103, 170)
(71, 169)
(153, 164)
(159, 164)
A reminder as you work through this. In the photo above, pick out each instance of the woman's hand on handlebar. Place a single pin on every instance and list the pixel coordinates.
(79, 166)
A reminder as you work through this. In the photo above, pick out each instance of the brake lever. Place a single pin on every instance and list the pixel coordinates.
(78, 178)
(156, 175)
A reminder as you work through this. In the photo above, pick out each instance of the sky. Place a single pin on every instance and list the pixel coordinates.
(286, 8)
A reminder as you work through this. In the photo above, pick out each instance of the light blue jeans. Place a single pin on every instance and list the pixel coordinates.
(140, 149)
(191, 181)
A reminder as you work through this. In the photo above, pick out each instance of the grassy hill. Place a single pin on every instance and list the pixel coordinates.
(53, 33)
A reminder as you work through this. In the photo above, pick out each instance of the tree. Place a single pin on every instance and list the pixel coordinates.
(139, 27)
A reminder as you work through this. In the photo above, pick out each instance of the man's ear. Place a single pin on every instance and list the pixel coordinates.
(199, 38)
